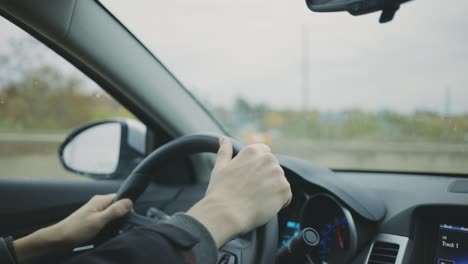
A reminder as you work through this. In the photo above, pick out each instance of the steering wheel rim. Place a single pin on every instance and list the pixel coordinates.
(257, 246)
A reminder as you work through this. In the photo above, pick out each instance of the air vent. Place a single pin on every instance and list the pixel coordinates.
(383, 253)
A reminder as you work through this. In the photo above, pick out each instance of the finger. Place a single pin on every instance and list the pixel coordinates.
(101, 202)
(115, 211)
(261, 147)
(289, 195)
(288, 202)
(224, 153)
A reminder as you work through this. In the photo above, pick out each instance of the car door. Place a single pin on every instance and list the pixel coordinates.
(43, 98)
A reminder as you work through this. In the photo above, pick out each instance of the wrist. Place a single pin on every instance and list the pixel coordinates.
(55, 236)
(58, 236)
(221, 220)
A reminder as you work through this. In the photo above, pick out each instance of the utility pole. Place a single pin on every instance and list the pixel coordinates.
(447, 102)
(305, 78)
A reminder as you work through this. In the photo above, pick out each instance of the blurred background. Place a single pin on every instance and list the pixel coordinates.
(341, 91)
(42, 99)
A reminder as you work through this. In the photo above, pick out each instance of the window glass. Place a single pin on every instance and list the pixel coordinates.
(42, 99)
(342, 91)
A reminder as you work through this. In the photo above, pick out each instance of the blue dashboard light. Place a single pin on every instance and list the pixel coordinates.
(292, 224)
(292, 229)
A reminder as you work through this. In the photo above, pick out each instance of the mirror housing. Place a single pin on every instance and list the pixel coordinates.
(358, 7)
(108, 149)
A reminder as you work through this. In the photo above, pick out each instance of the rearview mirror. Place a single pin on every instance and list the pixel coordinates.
(105, 150)
(358, 7)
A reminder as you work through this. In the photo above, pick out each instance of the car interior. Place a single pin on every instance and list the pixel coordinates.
(164, 160)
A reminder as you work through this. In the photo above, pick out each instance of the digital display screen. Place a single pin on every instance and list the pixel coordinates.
(452, 245)
(292, 229)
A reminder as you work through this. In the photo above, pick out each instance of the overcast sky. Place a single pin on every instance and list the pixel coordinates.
(253, 48)
(223, 48)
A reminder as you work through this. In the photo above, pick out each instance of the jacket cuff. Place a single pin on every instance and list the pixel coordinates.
(5, 256)
(205, 250)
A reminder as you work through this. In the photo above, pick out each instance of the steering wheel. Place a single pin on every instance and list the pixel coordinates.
(258, 246)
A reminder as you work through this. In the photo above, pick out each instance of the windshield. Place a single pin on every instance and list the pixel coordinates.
(341, 91)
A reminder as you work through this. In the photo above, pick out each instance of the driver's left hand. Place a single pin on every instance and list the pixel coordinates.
(78, 228)
(85, 223)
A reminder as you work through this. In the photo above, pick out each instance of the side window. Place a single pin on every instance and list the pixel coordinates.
(42, 99)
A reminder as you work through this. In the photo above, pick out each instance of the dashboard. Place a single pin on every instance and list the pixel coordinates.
(376, 218)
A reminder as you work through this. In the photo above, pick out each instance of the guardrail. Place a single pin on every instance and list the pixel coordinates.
(33, 137)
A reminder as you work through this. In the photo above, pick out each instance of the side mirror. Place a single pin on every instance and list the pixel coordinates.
(358, 7)
(107, 149)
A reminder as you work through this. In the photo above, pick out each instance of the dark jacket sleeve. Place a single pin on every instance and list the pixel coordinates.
(181, 239)
(5, 256)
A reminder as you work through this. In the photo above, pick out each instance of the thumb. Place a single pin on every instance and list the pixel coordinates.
(115, 211)
(224, 153)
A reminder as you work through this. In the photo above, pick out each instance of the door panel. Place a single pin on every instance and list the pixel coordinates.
(28, 205)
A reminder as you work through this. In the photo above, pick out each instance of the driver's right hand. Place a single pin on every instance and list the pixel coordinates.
(244, 192)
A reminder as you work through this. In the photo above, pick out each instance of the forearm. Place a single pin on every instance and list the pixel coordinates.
(41, 243)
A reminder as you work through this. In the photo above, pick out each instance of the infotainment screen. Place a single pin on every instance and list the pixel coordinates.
(452, 245)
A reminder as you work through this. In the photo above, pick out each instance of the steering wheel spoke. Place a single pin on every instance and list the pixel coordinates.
(135, 220)
(239, 250)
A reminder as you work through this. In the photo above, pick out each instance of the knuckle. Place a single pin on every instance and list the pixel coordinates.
(261, 146)
(96, 197)
(285, 186)
(251, 150)
(289, 194)
(288, 199)
(286, 192)
(117, 210)
(269, 158)
(277, 170)
(268, 148)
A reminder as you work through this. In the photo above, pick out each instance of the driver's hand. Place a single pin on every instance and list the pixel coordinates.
(85, 223)
(243, 193)
(80, 227)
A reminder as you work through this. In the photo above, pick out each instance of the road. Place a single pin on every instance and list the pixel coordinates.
(35, 155)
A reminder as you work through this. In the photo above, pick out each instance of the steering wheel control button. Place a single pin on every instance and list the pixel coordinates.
(297, 248)
(226, 258)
